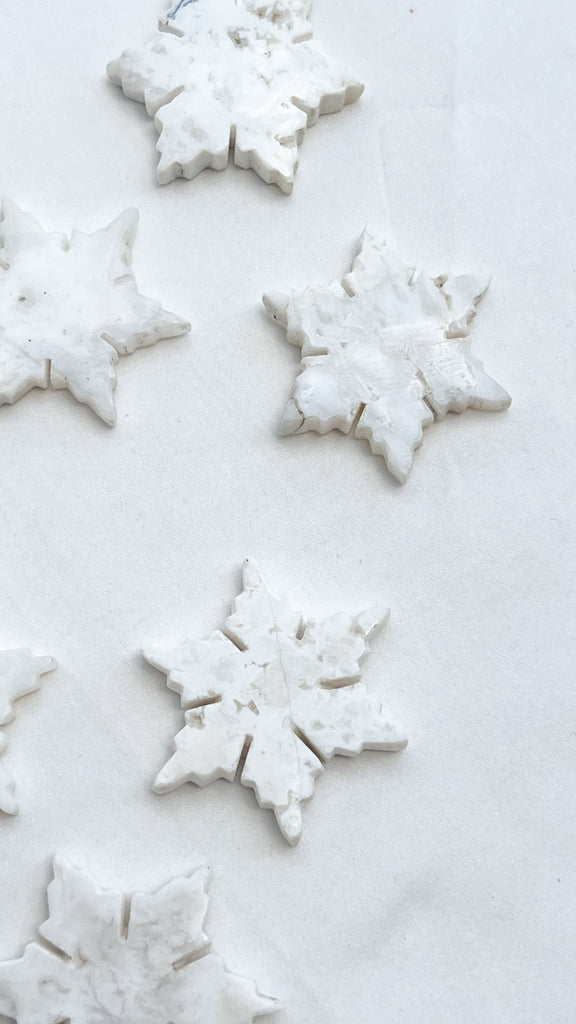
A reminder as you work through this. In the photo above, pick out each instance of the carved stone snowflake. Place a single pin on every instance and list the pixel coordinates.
(384, 351)
(222, 73)
(69, 308)
(20, 674)
(108, 959)
(277, 696)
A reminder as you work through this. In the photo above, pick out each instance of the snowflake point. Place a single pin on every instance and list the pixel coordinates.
(291, 419)
(266, 1004)
(167, 779)
(372, 620)
(45, 664)
(395, 744)
(11, 209)
(153, 654)
(276, 305)
(290, 823)
(251, 574)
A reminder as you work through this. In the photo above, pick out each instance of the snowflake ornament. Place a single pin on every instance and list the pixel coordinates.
(20, 674)
(233, 73)
(69, 308)
(384, 351)
(276, 695)
(106, 959)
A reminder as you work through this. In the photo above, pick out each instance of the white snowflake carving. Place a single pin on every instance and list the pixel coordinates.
(384, 351)
(276, 695)
(108, 959)
(222, 73)
(20, 674)
(69, 308)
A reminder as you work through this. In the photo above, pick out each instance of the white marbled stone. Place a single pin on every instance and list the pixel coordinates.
(282, 692)
(20, 674)
(109, 959)
(385, 350)
(233, 73)
(69, 308)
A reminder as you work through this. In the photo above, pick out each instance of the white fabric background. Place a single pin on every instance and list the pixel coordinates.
(432, 887)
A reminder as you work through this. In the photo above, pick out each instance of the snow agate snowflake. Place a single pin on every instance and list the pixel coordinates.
(275, 696)
(102, 958)
(69, 308)
(222, 73)
(384, 351)
(20, 674)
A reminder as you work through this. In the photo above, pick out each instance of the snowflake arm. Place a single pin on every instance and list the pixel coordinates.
(220, 74)
(275, 697)
(81, 917)
(219, 995)
(113, 959)
(20, 674)
(341, 642)
(34, 988)
(70, 307)
(186, 151)
(175, 914)
(199, 670)
(337, 717)
(259, 617)
(345, 721)
(130, 320)
(282, 774)
(384, 350)
(208, 748)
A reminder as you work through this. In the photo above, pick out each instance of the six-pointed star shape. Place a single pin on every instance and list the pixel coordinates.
(111, 960)
(222, 73)
(384, 351)
(282, 693)
(20, 674)
(70, 307)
